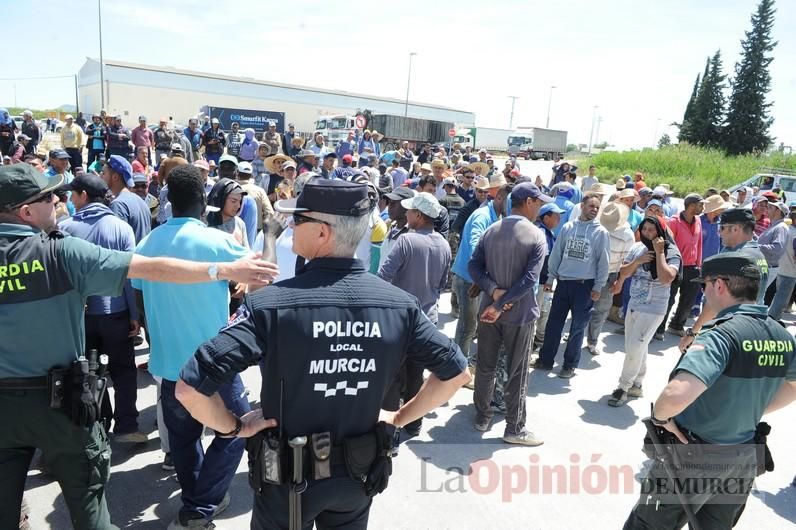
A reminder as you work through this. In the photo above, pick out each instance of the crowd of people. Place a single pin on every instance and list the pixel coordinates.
(519, 253)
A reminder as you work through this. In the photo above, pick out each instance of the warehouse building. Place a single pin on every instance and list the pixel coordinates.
(155, 91)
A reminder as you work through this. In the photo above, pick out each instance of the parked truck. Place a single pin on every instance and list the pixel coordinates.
(394, 129)
(483, 138)
(536, 142)
(246, 118)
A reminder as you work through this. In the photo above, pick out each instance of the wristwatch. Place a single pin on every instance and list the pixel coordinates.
(238, 426)
(689, 332)
(656, 421)
(212, 271)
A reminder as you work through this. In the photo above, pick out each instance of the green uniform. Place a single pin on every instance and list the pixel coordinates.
(44, 282)
(751, 250)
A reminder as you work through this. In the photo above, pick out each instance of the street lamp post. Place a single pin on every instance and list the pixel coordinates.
(408, 80)
(549, 102)
(591, 134)
(102, 62)
(655, 134)
(511, 117)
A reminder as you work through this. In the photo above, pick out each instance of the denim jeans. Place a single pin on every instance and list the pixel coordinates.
(570, 295)
(782, 297)
(204, 476)
(468, 316)
(600, 311)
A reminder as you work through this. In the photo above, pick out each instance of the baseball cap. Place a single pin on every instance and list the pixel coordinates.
(91, 184)
(202, 164)
(770, 196)
(526, 190)
(288, 163)
(121, 166)
(139, 178)
(59, 153)
(781, 207)
(400, 194)
(737, 216)
(729, 264)
(659, 191)
(142, 118)
(177, 148)
(214, 120)
(692, 198)
(228, 158)
(425, 203)
(550, 207)
(348, 159)
(336, 197)
(329, 155)
(449, 181)
(21, 182)
(655, 202)
(643, 192)
(245, 168)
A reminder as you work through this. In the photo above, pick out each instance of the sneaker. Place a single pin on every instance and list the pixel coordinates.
(566, 373)
(635, 391)
(522, 438)
(618, 398)
(168, 463)
(131, 438)
(676, 331)
(659, 336)
(470, 385)
(592, 349)
(482, 424)
(565, 337)
(538, 365)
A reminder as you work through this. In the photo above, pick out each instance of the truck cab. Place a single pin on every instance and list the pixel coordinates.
(335, 128)
(464, 138)
(520, 145)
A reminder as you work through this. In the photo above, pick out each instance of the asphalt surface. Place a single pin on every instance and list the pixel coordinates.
(452, 476)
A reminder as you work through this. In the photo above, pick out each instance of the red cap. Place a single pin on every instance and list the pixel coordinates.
(348, 158)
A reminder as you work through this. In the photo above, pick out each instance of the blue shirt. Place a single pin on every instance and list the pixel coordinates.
(132, 209)
(180, 316)
(474, 228)
(711, 242)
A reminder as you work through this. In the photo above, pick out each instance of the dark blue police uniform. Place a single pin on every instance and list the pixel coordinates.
(329, 343)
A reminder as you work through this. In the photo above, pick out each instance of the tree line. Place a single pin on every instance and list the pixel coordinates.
(739, 124)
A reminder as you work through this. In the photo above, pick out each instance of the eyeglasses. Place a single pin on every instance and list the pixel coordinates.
(713, 280)
(47, 198)
(299, 219)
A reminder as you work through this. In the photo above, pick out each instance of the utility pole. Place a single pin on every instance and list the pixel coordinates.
(591, 133)
(549, 102)
(77, 99)
(408, 80)
(597, 135)
(102, 62)
(511, 117)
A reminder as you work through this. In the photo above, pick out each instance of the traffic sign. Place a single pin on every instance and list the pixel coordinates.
(360, 121)
(451, 132)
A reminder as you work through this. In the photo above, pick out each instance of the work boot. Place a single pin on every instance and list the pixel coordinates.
(131, 438)
(635, 392)
(618, 398)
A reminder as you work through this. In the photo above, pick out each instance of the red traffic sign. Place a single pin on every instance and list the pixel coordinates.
(451, 132)
(360, 121)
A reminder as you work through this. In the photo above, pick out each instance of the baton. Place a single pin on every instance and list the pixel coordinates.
(297, 484)
(663, 455)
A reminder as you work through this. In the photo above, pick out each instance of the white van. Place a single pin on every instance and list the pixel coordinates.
(783, 179)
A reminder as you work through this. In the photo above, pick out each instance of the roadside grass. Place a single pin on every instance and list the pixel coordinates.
(685, 168)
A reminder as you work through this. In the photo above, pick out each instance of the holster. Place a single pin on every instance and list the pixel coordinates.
(368, 458)
(765, 462)
(266, 459)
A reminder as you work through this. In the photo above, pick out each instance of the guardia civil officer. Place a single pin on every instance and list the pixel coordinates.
(45, 278)
(329, 342)
(740, 367)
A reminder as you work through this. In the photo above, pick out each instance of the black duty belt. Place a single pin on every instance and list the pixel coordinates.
(24, 382)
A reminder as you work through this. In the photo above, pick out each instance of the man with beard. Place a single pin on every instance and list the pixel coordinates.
(579, 263)
(234, 140)
(272, 139)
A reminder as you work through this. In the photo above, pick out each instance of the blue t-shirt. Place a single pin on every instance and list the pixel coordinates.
(132, 209)
(182, 316)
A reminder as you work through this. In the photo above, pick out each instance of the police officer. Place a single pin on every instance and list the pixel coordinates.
(740, 367)
(329, 342)
(736, 230)
(45, 279)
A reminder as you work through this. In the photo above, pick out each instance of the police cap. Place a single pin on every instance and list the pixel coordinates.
(737, 216)
(332, 196)
(91, 184)
(21, 182)
(729, 264)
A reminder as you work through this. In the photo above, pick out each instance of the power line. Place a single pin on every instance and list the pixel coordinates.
(36, 78)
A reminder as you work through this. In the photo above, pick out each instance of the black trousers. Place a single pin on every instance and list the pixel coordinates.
(75, 156)
(331, 503)
(688, 292)
(108, 334)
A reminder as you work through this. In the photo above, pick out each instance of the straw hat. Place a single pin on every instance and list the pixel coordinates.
(274, 163)
(602, 189)
(481, 183)
(614, 215)
(627, 192)
(715, 203)
(620, 184)
(480, 168)
(497, 180)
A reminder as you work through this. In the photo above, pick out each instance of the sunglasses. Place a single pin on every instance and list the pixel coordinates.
(47, 197)
(299, 219)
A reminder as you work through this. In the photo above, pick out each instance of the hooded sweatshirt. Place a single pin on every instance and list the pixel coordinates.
(581, 252)
(248, 149)
(97, 224)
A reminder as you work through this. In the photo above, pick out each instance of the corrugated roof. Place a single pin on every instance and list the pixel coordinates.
(172, 70)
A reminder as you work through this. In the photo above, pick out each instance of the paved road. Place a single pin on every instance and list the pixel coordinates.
(452, 476)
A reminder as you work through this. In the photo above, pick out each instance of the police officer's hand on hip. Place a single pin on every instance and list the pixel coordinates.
(329, 342)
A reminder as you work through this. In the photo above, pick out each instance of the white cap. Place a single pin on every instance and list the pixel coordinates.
(425, 202)
(245, 167)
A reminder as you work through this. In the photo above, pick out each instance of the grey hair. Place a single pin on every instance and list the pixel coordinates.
(348, 232)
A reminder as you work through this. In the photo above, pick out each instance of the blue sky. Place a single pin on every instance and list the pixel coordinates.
(636, 60)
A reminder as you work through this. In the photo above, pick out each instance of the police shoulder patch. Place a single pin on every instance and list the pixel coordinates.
(242, 314)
